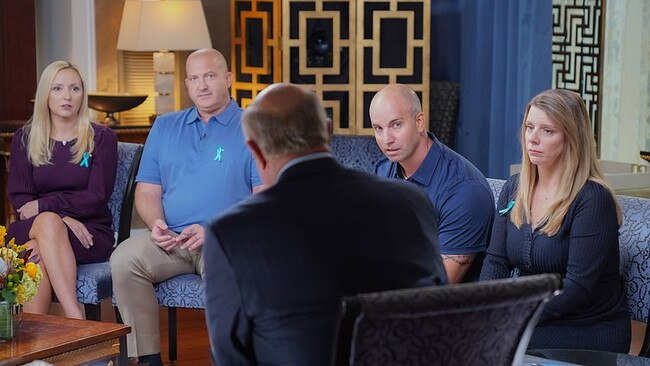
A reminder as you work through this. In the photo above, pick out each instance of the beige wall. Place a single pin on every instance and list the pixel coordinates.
(626, 82)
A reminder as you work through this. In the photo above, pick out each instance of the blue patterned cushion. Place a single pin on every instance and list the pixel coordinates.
(183, 291)
(125, 153)
(496, 185)
(634, 241)
(357, 152)
(634, 238)
(94, 280)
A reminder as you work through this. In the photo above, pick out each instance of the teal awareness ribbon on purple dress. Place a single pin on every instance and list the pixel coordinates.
(85, 160)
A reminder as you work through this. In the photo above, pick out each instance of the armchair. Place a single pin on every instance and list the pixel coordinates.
(485, 323)
(94, 280)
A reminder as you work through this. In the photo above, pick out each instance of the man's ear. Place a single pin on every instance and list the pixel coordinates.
(420, 122)
(257, 153)
(228, 77)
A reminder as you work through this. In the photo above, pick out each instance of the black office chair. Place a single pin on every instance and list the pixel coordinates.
(485, 323)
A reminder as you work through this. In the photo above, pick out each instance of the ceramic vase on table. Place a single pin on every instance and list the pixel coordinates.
(10, 316)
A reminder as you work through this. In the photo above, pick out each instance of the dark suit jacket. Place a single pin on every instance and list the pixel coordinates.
(277, 264)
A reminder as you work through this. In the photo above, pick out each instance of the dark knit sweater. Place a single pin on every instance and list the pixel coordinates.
(591, 312)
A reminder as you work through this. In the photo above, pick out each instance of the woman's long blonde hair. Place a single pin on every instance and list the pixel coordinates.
(579, 160)
(38, 128)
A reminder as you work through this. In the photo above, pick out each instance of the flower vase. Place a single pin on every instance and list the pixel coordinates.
(10, 316)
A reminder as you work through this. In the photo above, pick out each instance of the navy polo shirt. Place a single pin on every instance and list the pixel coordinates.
(203, 168)
(461, 197)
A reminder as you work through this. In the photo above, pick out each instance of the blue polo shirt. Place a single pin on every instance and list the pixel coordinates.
(203, 168)
(461, 197)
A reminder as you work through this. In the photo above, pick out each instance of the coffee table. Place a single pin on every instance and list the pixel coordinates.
(65, 341)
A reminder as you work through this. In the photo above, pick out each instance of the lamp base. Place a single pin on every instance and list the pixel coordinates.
(163, 65)
(110, 120)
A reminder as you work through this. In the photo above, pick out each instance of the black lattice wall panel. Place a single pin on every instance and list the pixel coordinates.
(319, 52)
(393, 47)
(577, 43)
(255, 47)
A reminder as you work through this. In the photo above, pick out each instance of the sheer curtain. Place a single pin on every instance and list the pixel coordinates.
(505, 59)
(626, 82)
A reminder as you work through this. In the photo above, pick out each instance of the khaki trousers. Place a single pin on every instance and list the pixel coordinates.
(136, 264)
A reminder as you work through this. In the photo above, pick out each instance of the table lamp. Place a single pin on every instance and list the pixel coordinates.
(163, 26)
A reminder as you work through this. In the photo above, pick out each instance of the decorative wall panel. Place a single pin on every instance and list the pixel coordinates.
(577, 50)
(255, 47)
(319, 51)
(393, 47)
(347, 50)
(344, 50)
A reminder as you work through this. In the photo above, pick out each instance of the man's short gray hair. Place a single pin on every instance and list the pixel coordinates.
(296, 129)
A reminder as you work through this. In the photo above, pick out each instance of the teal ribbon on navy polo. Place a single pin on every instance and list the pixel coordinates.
(85, 160)
(508, 208)
(220, 150)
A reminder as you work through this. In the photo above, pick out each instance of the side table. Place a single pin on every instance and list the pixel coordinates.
(61, 340)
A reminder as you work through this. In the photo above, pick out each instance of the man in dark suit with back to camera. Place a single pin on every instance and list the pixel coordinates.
(278, 263)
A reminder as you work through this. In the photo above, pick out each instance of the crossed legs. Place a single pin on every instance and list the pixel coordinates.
(49, 238)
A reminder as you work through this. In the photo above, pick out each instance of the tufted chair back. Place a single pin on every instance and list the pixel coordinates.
(356, 152)
(484, 323)
(94, 281)
(443, 110)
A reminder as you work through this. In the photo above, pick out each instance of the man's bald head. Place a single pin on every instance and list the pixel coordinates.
(397, 94)
(286, 119)
(210, 55)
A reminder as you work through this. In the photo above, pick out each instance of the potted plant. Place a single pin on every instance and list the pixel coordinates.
(20, 276)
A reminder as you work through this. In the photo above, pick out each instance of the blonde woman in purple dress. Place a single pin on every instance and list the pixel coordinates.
(61, 175)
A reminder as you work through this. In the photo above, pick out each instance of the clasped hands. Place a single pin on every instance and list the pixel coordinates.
(191, 238)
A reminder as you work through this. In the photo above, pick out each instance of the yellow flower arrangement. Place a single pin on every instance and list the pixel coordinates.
(20, 274)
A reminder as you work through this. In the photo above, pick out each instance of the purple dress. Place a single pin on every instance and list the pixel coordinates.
(67, 189)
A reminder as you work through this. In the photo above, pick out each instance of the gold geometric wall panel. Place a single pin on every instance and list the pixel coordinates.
(319, 52)
(255, 47)
(392, 47)
(344, 50)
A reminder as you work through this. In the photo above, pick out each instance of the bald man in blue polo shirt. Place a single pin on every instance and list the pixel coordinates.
(195, 165)
(461, 197)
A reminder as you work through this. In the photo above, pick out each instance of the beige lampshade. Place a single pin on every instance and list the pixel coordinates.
(154, 25)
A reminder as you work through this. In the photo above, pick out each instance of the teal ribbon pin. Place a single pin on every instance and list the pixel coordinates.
(508, 208)
(219, 151)
(85, 160)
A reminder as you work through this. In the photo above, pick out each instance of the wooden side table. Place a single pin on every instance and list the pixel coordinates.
(61, 340)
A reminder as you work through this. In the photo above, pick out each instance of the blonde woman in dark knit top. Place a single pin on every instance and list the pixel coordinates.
(559, 215)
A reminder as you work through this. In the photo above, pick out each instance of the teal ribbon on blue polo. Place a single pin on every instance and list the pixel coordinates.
(508, 208)
(85, 160)
(220, 150)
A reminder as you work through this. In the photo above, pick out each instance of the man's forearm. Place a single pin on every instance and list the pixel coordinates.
(456, 266)
(148, 203)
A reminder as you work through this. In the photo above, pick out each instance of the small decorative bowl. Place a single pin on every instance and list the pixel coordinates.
(113, 103)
